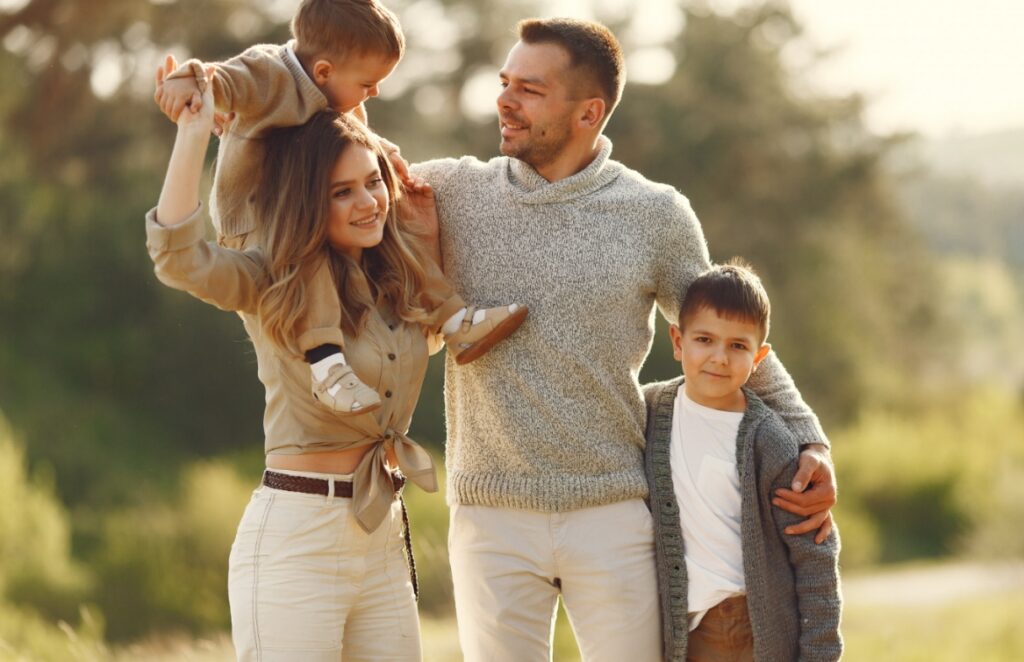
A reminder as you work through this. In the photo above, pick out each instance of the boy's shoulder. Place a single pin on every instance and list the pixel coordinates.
(652, 391)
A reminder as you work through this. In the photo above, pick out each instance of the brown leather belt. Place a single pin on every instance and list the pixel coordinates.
(307, 485)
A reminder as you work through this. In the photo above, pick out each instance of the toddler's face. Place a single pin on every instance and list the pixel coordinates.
(355, 79)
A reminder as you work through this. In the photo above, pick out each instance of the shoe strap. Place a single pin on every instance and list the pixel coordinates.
(337, 373)
(467, 321)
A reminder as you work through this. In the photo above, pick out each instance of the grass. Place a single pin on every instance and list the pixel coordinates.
(980, 629)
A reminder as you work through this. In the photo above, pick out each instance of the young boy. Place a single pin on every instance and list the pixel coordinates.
(732, 584)
(342, 50)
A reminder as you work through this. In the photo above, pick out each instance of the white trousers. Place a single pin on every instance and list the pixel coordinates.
(307, 583)
(509, 566)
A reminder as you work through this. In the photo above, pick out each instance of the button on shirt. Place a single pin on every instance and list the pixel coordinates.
(387, 355)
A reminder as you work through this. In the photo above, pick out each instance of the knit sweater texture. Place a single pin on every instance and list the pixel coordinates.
(792, 583)
(552, 419)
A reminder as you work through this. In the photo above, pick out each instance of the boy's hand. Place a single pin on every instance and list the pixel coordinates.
(175, 94)
(815, 503)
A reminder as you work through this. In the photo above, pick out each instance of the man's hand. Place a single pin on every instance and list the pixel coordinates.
(815, 470)
(175, 94)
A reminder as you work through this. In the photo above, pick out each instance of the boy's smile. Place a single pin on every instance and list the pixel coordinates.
(718, 355)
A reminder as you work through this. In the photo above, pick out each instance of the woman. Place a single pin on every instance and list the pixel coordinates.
(317, 566)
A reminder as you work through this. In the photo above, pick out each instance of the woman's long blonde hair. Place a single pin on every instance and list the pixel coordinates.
(292, 203)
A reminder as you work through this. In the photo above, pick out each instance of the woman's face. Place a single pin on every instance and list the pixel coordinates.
(359, 202)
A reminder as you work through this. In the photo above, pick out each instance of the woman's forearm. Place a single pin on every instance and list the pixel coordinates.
(179, 197)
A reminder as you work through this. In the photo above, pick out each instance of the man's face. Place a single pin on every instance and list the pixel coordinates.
(535, 108)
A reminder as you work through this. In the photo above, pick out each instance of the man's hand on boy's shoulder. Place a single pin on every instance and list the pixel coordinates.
(812, 494)
(174, 94)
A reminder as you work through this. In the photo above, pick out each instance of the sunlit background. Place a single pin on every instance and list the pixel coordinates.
(867, 158)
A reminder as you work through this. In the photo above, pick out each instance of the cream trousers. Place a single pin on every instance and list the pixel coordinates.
(509, 567)
(307, 583)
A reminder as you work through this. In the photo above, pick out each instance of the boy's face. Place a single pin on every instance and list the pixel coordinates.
(718, 355)
(350, 81)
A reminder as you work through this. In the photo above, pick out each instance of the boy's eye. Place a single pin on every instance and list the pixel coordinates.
(739, 346)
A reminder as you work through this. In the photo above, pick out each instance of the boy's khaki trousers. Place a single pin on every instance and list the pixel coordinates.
(510, 566)
(307, 584)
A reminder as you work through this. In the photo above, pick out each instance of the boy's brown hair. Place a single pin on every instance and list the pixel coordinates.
(593, 51)
(733, 291)
(337, 28)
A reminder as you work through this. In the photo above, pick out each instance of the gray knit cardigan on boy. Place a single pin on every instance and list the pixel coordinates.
(792, 583)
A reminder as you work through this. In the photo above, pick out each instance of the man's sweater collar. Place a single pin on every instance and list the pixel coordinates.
(529, 187)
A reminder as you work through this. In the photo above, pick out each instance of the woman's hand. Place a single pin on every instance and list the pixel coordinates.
(179, 197)
(418, 209)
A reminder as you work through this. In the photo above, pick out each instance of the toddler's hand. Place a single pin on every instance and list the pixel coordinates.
(173, 95)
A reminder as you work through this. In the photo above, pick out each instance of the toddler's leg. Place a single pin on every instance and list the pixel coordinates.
(335, 385)
(469, 332)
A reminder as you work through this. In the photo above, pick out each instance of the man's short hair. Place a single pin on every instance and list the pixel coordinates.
(592, 48)
(338, 28)
(733, 291)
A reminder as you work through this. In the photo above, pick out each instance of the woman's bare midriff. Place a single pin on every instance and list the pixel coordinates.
(330, 462)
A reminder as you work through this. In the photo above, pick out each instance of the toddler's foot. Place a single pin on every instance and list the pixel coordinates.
(337, 387)
(480, 330)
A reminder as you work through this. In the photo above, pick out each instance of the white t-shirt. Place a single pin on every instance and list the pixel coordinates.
(707, 488)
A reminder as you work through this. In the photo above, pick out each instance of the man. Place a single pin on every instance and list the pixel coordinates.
(545, 473)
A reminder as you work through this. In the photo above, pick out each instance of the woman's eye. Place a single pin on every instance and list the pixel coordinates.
(342, 192)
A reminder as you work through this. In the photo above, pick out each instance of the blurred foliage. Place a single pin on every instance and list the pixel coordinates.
(36, 567)
(138, 410)
(934, 483)
(163, 566)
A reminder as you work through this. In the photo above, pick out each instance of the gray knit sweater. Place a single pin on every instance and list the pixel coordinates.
(552, 419)
(792, 583)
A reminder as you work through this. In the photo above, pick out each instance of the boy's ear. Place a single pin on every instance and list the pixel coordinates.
(761, 354)
(322, 71)
(676, 334)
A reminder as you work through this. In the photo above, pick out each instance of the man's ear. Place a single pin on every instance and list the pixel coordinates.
(593, 113)
(761, 354)
(322, 71)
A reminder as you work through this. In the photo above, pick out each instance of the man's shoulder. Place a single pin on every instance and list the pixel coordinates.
(442, 171)
(656, 191)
